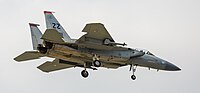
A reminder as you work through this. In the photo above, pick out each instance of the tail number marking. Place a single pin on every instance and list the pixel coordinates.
(56, 25)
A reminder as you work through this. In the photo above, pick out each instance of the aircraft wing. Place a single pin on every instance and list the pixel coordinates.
(97, 37)
(53, 66)
(51, 35)
(95, 33)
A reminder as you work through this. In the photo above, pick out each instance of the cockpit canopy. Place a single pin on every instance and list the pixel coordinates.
(145, 51)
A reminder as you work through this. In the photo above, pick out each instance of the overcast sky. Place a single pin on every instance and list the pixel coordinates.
(168, 28)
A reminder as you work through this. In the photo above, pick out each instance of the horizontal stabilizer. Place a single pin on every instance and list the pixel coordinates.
(51, 35)
(28, 55)
(53, 66)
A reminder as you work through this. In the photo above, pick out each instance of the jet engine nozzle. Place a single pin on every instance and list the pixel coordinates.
(42, 49)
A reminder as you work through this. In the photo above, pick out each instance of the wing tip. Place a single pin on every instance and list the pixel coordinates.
(95, 23)
(48, 12)
(16, 59)
(43, 70)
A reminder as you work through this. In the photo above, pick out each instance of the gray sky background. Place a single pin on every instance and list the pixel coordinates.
(168, 28)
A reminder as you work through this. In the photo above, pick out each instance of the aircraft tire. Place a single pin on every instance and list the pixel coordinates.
(97, 63)
(84, 73)
(133, 77)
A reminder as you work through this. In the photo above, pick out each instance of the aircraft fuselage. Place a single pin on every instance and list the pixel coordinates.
(121, 57)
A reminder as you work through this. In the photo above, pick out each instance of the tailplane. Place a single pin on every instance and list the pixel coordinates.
(52, 23)
(28, 55)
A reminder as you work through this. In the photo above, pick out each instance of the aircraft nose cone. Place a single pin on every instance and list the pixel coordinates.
(171, 67)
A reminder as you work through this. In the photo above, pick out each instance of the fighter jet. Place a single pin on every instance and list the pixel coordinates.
(95, 49)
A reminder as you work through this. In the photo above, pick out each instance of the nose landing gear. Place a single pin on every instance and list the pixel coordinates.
(84, 72)
(133, 77)
(133, 68)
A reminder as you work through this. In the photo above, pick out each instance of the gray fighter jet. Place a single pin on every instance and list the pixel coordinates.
(96, 48)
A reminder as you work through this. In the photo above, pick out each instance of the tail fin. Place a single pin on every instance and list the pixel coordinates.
(35, 35)
(52, 23)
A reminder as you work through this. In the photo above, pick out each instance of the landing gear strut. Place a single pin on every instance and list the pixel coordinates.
(84, 72)
(133, 68)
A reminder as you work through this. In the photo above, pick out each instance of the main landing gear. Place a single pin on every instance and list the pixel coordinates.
(133, 68)
(96, 61)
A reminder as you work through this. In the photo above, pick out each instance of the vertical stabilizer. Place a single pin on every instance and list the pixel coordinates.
(52, 23)
(35, 35)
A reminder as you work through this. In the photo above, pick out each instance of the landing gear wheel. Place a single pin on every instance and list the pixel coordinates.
(97, 63)
(84, 73)
(133, 77)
